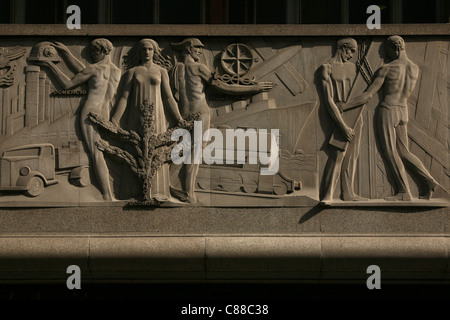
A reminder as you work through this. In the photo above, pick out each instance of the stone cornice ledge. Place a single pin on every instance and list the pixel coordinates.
(198, 30)
(323, 258)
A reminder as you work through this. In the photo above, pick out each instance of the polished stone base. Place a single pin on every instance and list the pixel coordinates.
(220, 244)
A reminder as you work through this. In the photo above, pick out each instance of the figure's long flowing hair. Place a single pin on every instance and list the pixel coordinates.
(133, 57)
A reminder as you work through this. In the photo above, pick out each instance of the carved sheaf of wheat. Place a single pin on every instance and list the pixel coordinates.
(150, 151)
(119, 154)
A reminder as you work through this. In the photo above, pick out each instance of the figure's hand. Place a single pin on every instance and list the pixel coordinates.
(340, 106)
(114, 122)
(181, 122)
(60, 46)
(348, 133)
(265, 86)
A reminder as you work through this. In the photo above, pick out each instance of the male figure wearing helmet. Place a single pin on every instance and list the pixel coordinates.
(190, 78)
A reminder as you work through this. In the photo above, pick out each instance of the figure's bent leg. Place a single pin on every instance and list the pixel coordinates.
(102, 173)
(192, 169)
(413, 163)
(191, 176)
(99, 164)
(387, 123)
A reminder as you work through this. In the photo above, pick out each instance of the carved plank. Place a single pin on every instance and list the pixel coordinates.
(442, 94)
(428, 143)
(289, 80)
(298, 77)
(436, 170)
(278, 62)
(427, 161)
(441, 125)
(262, 48)
(427, 85)
(417, 150)
(272, 62)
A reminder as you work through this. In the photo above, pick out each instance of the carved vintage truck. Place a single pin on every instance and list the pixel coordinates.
(28, 168)
(33, 167)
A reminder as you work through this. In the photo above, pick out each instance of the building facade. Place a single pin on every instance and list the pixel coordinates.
(353, 122)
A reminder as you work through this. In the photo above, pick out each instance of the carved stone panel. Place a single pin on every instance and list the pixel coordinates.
(216, 121)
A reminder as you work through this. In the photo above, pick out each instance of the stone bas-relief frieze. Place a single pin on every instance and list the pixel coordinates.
(91, 122)
(399, 78)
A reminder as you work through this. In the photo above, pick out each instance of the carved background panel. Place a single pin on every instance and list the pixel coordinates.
(35, 109)
(429, 128)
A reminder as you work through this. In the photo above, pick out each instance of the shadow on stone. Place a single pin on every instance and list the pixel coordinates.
(311, 213)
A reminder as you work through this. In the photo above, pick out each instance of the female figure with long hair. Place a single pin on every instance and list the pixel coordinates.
(146, 82)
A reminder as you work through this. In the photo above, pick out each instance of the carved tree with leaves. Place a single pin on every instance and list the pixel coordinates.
(146, 152)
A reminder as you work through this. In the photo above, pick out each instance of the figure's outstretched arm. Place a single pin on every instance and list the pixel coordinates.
(372, 89)
(333, 110)
(72, 63)
(64, 80)
(241, 89)
(208, 76)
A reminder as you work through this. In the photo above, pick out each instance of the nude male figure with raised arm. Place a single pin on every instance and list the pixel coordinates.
(399, 78)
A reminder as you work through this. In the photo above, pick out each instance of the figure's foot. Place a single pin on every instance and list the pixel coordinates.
(355, 197)
(108, 197)
(401, 196)
(179, 194)
(192, 199)
(161, 198)
(326, 201)
(430, 188)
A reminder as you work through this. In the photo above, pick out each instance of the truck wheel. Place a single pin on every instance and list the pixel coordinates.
(250, 187)
(84, 180)
(36, 187)
(204, 184)
(280, 189)
(80, 177)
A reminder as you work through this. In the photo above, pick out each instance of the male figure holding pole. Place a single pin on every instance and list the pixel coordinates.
(338, 75)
